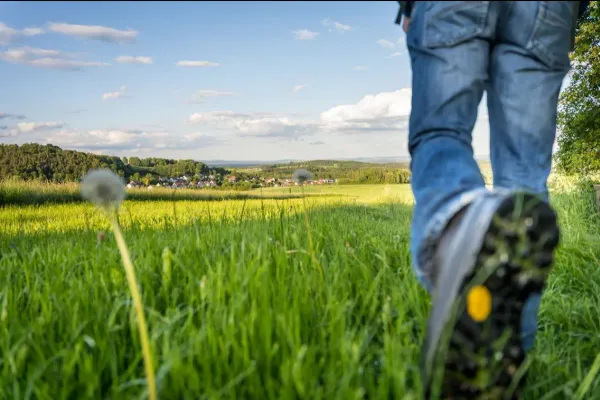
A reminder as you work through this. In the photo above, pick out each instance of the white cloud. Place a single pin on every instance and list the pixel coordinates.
(202, 94)
(341, 27)
(200, 139)
(305, 34)
(115, 95)
(386, 44)
(8, 34)
(298, 88)
(382, 111)
(131, 140)
(28, 53)
(33, 127)
(361, 68)
(95, 32)
(28, 127)
(133, 60)
(338, 26)
(396, 54)
(113, 136)
(387, 111)
(73, 65)
(187, 63)
(253, 124)
(46, 58)
(400, 43)
(374, 125)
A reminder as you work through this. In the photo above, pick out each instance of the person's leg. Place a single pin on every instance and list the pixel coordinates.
(484, 263)
(527, 68)
(449, 68)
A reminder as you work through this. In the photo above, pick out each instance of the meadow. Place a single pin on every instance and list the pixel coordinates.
(36, 193)
(238, 309)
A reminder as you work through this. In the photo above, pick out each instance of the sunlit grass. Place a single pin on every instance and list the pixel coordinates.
(236, 310)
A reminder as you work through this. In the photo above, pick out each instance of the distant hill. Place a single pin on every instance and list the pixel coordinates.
(248, 163)
(344, 171)
(329, 164)
(48, 162)
(369, 160)
(242, 164)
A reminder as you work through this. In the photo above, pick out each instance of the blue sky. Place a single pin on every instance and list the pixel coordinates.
(208, 80)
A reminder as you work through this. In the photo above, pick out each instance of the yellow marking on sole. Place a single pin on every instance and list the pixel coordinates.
(479, 303)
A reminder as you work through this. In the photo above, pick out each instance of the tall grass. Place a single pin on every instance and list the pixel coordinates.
(36, 193)
(236, 311)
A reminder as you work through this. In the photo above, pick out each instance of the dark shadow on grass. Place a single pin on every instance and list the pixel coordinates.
(36, 199)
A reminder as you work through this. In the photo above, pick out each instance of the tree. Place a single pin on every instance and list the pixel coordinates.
(51, 163)
(579, 110)
(147, 179)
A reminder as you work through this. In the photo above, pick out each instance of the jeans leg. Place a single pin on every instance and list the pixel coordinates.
(449, 55)
(527, 68)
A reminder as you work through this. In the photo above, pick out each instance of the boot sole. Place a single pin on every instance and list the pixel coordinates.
(484, 354)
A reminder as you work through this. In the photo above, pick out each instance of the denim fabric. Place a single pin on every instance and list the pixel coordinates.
(517, 52)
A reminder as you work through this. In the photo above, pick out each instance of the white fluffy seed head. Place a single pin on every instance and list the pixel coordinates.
(103, 188)
(302, 175)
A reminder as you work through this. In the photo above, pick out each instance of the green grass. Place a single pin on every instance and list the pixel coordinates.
(239, 310)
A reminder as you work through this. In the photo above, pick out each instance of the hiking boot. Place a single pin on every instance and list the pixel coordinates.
(491, 263)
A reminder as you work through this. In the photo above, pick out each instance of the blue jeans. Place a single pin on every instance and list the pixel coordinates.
(518, 53)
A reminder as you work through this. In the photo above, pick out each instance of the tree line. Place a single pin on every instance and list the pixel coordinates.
(51, 163)
(579, 111)
(346, 172)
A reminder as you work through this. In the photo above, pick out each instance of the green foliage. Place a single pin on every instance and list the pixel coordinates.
(346, 172)
(50, 163)
(376, 175)
(171, 168)
(579, 111)
(147, 179)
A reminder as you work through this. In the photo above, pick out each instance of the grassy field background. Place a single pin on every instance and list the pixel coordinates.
(38, 193)
(237, 309)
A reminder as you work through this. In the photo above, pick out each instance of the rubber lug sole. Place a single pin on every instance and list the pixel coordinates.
(484, 353)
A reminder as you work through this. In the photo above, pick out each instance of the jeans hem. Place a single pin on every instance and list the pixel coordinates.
(424, 257)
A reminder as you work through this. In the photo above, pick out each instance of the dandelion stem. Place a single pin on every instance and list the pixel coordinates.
(139, 309)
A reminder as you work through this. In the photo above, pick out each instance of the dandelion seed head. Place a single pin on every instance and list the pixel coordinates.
(302, 175)
(103, 188)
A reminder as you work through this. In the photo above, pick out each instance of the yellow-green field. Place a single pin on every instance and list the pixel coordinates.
(241, 311)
